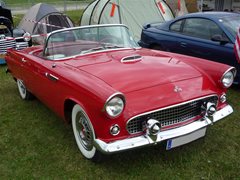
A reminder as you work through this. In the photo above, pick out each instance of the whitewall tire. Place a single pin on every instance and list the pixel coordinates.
(84, 133)
(24, 93)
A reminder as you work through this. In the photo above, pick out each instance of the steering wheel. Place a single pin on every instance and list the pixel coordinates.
(112, 40)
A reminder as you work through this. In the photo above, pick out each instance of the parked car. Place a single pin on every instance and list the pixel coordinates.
(208, 35)
(117, 95)
(10, 37)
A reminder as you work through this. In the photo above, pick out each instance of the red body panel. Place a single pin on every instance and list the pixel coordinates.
(90, 80)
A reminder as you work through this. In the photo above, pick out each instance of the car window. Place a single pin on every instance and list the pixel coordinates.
(176, 26)
(201, 28)
(231, 23)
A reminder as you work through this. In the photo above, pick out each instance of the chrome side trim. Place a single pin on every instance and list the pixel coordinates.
(145, 140)
(175, 105)
(51, 77)
(135, 58)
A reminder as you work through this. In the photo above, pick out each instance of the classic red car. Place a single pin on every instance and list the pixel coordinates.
(117, 95)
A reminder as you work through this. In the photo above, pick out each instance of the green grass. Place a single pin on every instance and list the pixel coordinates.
(75, 16)
(35, 143)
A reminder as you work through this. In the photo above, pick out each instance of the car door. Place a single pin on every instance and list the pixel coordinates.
(195, 39)
(44, 81)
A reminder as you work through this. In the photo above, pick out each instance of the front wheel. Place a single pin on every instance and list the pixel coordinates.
(24, 93)
(84, 134)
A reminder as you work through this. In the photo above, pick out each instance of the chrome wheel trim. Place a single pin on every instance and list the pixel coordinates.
(22, 89)
(83, 132)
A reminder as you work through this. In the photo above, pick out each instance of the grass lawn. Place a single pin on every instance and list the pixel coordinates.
(35, 143)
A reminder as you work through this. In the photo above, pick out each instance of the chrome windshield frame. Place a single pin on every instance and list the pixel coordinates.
(81, 27)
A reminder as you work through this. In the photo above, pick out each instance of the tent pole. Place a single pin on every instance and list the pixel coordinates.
(65, 7)
(201, 5)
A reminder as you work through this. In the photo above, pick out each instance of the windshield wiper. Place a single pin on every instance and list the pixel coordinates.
(93, 49)
(112, 46)
(99, 48)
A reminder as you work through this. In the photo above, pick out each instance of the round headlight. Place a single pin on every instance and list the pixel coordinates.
(27, 37)
(114, 106)
(228, 79)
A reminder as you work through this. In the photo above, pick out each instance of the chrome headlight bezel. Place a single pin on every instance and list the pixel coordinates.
(227, 78)
(114, 105)
(27, 36)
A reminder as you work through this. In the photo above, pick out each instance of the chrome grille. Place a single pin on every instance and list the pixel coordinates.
(172, 115)
(21, 45)
(11, 43)
(6, 44)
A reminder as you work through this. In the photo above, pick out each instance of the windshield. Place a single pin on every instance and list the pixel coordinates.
(232, 23)
(83, 40)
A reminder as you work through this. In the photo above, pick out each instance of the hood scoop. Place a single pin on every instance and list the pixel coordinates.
(133, 58)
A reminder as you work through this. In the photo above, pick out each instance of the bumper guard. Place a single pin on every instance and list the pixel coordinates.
(145, 140)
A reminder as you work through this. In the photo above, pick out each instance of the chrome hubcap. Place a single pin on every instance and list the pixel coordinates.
(84, 131)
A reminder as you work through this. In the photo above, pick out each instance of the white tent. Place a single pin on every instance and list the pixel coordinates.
(178, 7)
(133, 13)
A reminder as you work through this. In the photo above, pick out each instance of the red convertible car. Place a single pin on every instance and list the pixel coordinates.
(117, 95)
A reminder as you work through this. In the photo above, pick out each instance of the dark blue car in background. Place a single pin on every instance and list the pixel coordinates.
(208, 35)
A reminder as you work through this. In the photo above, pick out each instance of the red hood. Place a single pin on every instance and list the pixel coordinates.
(151, 70)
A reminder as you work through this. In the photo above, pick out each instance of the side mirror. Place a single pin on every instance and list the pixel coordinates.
(219, 38)
(146, 26)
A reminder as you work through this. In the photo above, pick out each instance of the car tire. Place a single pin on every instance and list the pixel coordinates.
(24, 93)
(84, 134)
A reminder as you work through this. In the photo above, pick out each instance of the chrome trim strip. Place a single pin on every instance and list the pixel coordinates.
(145, 140)
(132, 60)
(115, 94)
(51, 77)
(168, 107)
(83, 27)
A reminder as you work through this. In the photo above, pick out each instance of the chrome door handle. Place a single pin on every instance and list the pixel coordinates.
(51, 77)
(23, 60)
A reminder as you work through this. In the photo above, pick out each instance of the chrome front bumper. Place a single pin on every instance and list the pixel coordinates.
(144, 140)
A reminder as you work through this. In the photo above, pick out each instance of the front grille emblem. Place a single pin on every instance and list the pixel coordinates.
(177, 89)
